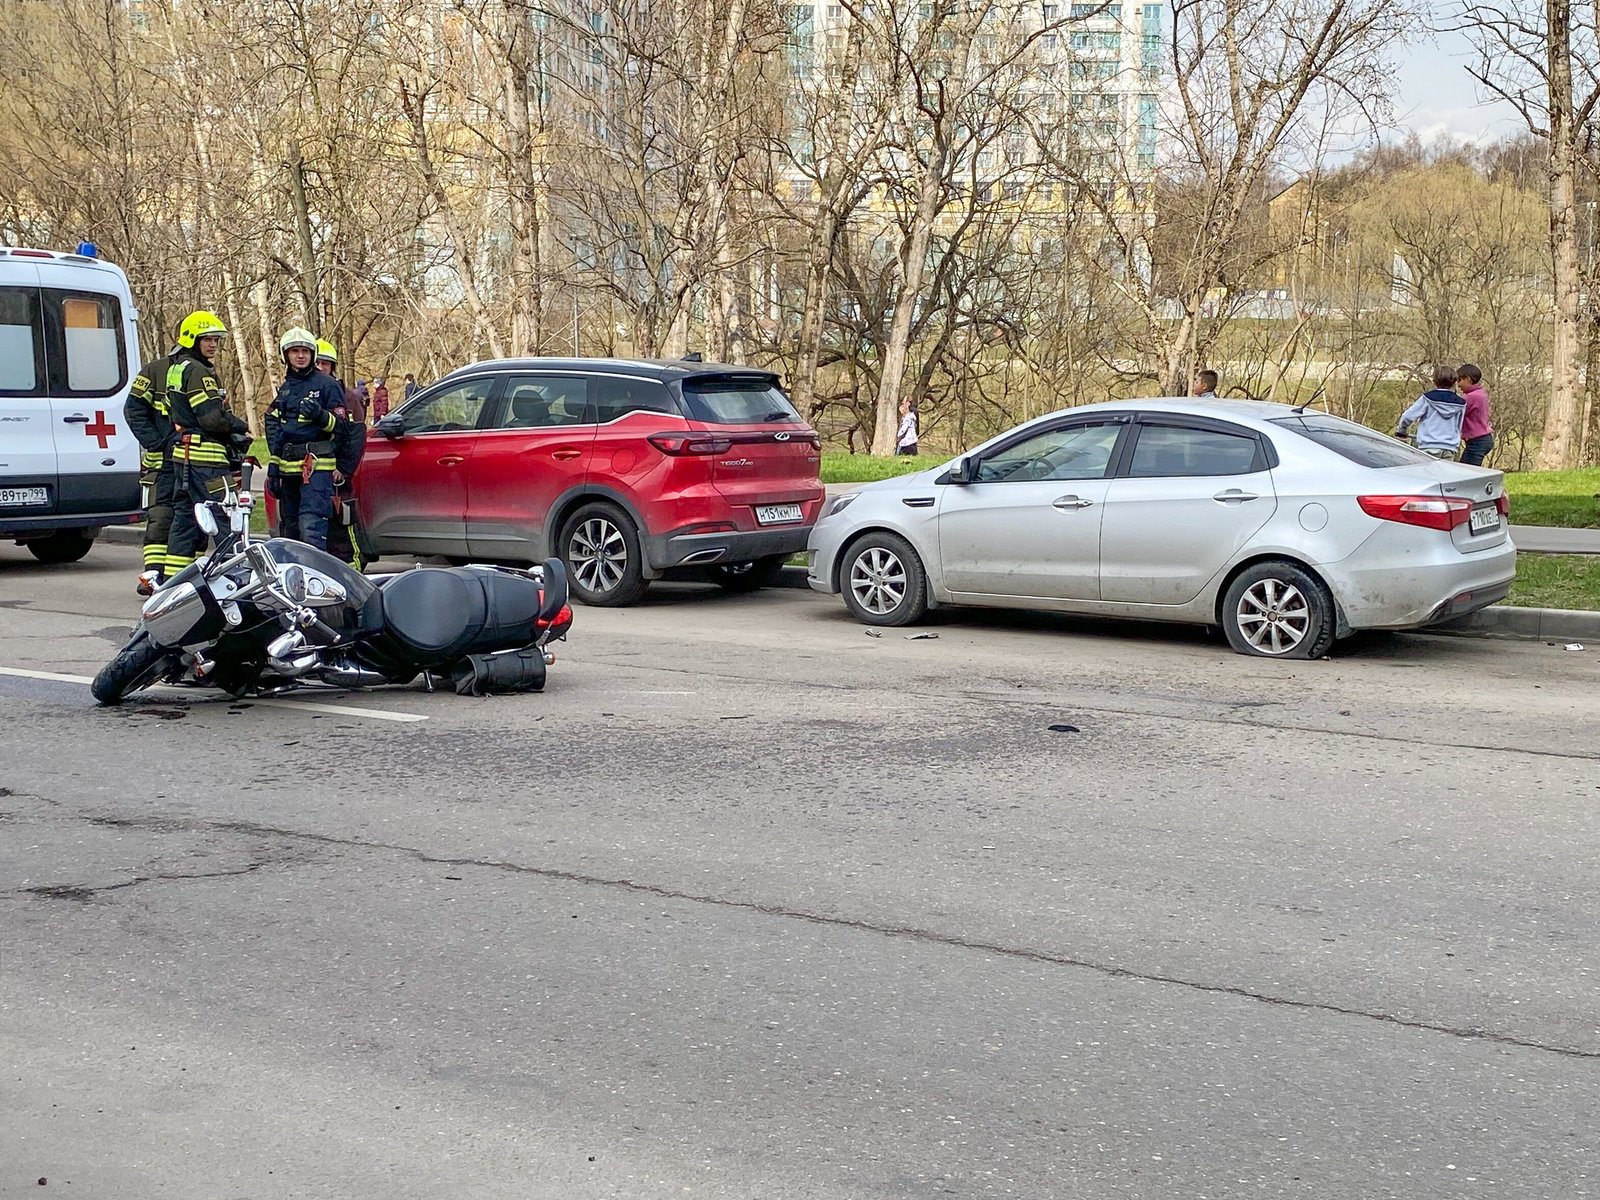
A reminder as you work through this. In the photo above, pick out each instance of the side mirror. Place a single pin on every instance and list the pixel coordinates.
(294, 582)
(391, 426)
(961, 471)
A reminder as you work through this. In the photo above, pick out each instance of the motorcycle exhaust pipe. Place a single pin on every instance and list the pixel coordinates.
(350, 675)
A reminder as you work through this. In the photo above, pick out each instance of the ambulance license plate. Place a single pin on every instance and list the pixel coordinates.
(24, 497)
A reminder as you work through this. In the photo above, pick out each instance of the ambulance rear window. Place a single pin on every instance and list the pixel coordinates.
(91, 329)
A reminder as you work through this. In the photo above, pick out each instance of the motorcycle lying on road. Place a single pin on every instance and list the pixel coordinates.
(260, 618)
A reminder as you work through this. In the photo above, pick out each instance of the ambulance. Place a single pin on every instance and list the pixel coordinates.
(69, 347)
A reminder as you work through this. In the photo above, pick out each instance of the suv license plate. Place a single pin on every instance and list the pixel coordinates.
(1484, 519)
(777, 514)
(17, 497)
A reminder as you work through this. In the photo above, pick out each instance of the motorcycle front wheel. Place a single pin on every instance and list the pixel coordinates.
(137, 665)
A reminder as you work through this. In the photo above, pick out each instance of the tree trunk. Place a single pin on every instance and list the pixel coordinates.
(1558, 449)
(913, 265)
(522, 183)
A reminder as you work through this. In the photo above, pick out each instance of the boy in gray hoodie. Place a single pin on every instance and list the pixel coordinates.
(1437, 414)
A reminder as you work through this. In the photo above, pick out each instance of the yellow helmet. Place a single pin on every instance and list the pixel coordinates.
(325, 350)
(297, 337)
(197, 325)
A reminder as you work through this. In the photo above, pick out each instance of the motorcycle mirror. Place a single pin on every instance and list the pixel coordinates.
(206, 519)
(294, 582)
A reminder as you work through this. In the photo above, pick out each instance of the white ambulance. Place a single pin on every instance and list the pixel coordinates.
(69, 347)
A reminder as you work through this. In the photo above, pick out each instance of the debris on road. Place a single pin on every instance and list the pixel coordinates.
(873, 633)
(1064, 729)
(1574, 646)
(920, 637)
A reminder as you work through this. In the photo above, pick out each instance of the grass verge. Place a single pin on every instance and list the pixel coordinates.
(1561, 498)
(1556, 581)
(840, 466)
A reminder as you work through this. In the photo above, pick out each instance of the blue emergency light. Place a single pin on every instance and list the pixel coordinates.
(88, 250)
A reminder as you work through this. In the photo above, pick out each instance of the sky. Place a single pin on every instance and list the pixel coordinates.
(1437, 98)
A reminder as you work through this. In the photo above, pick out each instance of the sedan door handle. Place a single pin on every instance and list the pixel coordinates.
(451, 460)
(566, 454)
(1234, 496)
(76, 419)
(1066, 502)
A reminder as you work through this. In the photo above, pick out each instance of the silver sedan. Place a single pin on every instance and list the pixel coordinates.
(1286, 527)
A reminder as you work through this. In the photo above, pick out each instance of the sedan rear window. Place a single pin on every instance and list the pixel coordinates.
(1361, 445)
(737, 400)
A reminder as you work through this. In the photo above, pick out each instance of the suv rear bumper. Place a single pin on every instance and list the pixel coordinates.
(704, 549)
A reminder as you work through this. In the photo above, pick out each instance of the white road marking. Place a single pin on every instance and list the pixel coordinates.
(342, 710)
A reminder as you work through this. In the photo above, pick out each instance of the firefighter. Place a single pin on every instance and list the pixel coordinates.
(350, 443)
(147, 415)
(302, 432)
(209, 440)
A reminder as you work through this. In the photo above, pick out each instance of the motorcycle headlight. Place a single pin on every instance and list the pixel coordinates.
(839, 503)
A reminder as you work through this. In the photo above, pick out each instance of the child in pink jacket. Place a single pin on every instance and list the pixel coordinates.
(1477, 434)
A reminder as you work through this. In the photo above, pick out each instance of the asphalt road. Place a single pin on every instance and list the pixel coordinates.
(750, 905)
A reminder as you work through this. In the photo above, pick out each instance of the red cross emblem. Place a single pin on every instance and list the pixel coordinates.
(100, 430)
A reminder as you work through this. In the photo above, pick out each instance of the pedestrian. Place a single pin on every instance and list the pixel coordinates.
(148, 415)
(905, 439)
(208, 439)
(302, 433)
(361, 392)
(380, 400)
(411, 389)
(1477, 434)
(1205, 385)
(1437, 414)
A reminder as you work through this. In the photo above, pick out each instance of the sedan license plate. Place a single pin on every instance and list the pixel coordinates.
(777, 514)
(20, 497)
(1484, 520)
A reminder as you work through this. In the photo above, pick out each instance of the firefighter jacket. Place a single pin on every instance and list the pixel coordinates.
(146, 412)
(301, 421)
(198, 407)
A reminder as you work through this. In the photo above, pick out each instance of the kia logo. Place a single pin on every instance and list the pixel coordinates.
(780, 437)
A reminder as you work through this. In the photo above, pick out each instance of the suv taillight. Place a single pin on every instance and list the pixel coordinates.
(1430, 512)
(689, 443)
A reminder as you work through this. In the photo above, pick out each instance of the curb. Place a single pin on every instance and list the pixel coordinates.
(1527, 624)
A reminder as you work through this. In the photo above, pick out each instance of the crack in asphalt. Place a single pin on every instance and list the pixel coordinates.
(901, 932)
(83, 894)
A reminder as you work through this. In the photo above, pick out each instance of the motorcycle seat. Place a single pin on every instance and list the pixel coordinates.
(435, 614)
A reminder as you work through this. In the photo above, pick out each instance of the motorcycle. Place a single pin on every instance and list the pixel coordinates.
(260, 618)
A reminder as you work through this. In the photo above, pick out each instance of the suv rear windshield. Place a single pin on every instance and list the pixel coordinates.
(737, 400)
(1359, 444)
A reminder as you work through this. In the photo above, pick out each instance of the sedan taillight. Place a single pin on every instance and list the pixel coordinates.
(1430, 512)
(689, 443)
(1503, 503)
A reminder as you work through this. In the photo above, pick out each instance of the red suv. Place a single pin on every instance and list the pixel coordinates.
(624, 469)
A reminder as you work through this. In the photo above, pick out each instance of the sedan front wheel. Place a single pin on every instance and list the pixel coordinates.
(1278, 610)
(883, 580)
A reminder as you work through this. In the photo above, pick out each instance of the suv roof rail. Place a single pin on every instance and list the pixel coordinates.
(694, 356)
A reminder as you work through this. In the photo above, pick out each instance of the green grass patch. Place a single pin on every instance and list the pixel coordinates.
(1561, 498)
(1556, 581)
(840, 466)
